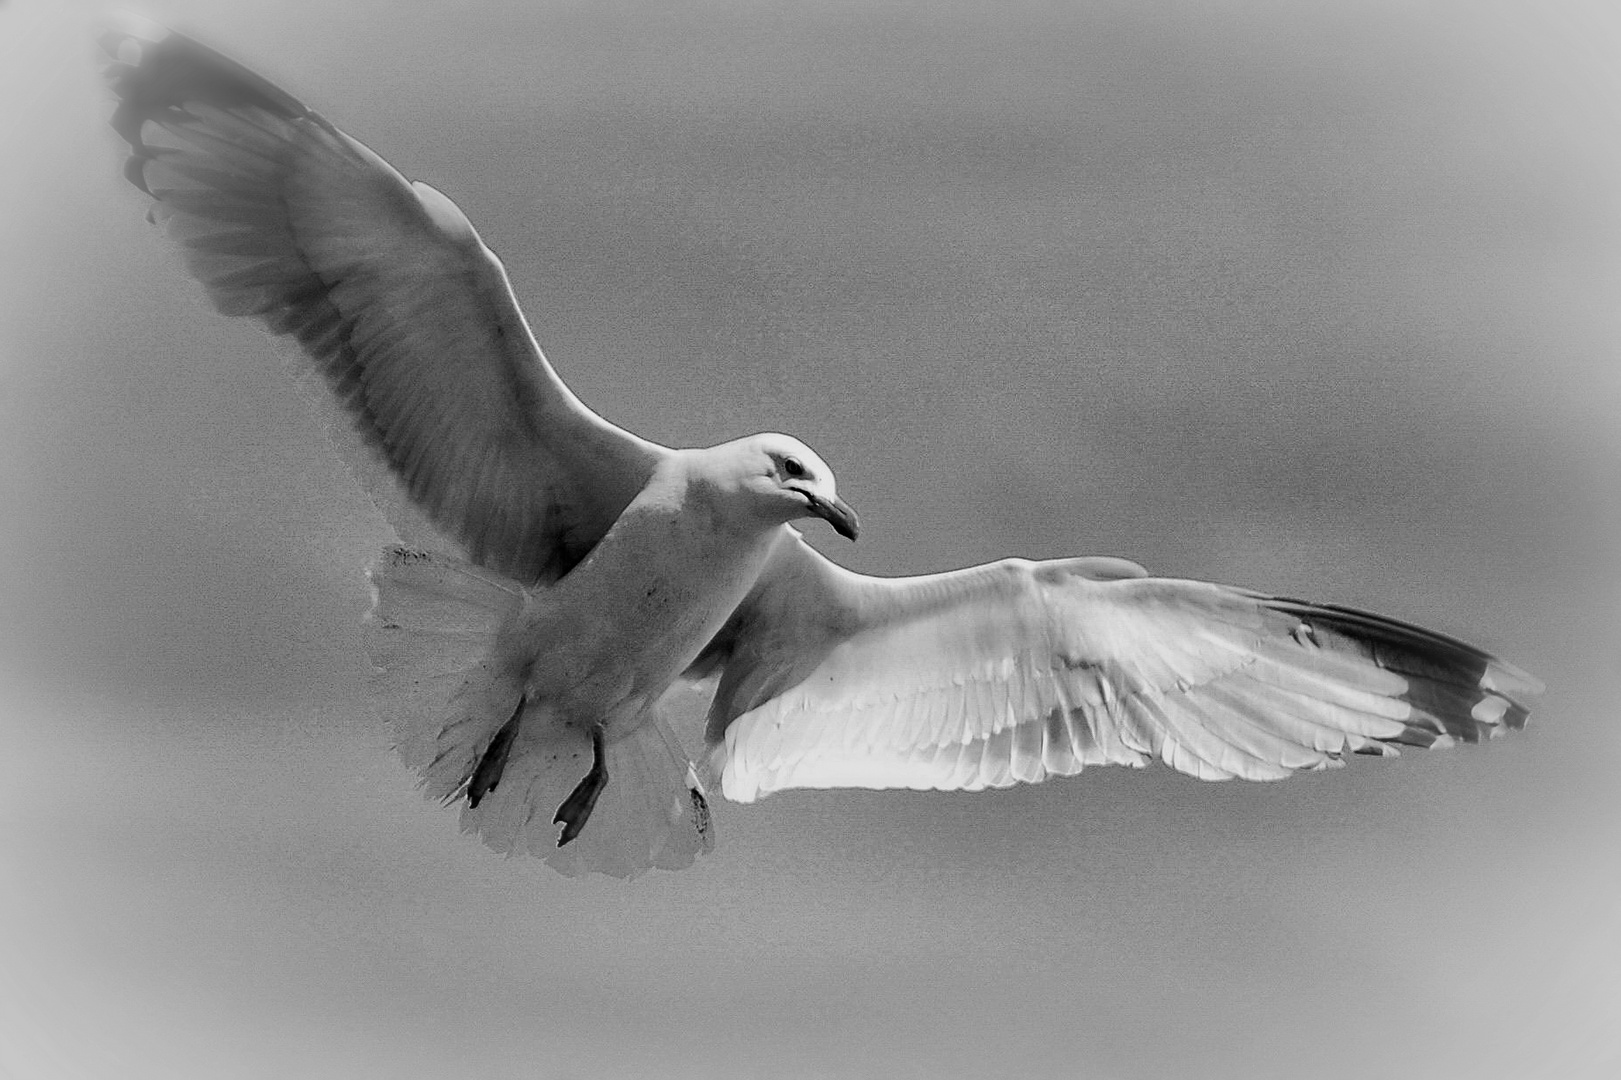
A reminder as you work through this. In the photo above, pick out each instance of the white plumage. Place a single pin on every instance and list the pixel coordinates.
(563, 574)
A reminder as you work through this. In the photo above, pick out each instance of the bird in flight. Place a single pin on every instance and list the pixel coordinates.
(560, 575)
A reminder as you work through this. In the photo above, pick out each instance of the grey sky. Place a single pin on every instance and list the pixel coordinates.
(1314, 298)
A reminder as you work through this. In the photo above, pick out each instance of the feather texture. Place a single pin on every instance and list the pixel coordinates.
(390, 294)
(1016, 671)
(507, 679)
(441, 684)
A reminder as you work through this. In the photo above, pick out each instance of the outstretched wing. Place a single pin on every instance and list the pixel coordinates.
(389, 291)
(1017, 671)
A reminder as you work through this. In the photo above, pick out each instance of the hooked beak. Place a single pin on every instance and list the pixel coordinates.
(836, 512)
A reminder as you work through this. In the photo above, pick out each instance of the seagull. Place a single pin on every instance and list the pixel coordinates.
(559, 577)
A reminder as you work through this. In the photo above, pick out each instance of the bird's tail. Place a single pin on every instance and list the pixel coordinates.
(432, 633)
(652, 813)
(459, 720)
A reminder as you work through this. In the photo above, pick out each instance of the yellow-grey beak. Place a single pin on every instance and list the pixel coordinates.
(837, 513)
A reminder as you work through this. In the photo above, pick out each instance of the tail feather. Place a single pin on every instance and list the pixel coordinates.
(433, 634)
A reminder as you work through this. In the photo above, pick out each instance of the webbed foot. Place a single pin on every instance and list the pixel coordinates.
(493, 762)
(576, 809)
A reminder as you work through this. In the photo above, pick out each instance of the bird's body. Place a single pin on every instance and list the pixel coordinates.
(561, 575)
(610, 662)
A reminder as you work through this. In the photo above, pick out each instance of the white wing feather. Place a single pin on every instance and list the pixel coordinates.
(1017, 671)
(1013, 671)
(391, 295)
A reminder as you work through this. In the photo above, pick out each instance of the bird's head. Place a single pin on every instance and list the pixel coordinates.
(779, 479)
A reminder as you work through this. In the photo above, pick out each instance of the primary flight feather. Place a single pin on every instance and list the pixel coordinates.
(576, 572)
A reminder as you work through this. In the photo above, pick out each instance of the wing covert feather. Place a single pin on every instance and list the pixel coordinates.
(1015, 671)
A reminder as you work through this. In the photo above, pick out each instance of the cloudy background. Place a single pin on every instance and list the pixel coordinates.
(1318, 298)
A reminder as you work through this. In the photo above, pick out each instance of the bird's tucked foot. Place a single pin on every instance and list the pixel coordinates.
(493, 762)
(576, 809)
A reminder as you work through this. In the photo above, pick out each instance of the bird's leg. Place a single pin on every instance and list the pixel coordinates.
(576, 809)
(493, 762)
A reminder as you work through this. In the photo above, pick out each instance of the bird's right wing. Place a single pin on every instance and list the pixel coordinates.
(1016, 671)
(388, 290)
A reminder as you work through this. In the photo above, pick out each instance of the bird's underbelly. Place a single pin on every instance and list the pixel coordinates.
(612, 677)
(605, 656)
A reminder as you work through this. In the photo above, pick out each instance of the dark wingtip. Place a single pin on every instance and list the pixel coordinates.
(155, 72)
(152, 70)
(1458, 692)
(1516, 717)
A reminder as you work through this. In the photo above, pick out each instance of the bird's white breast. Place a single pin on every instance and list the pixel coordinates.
(610, 637)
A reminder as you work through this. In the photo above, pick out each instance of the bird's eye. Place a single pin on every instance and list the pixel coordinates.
(791, 466)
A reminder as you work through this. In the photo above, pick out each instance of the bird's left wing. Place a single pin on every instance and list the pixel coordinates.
(1017, 671)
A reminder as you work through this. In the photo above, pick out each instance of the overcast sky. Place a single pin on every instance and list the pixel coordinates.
(1317, 298)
